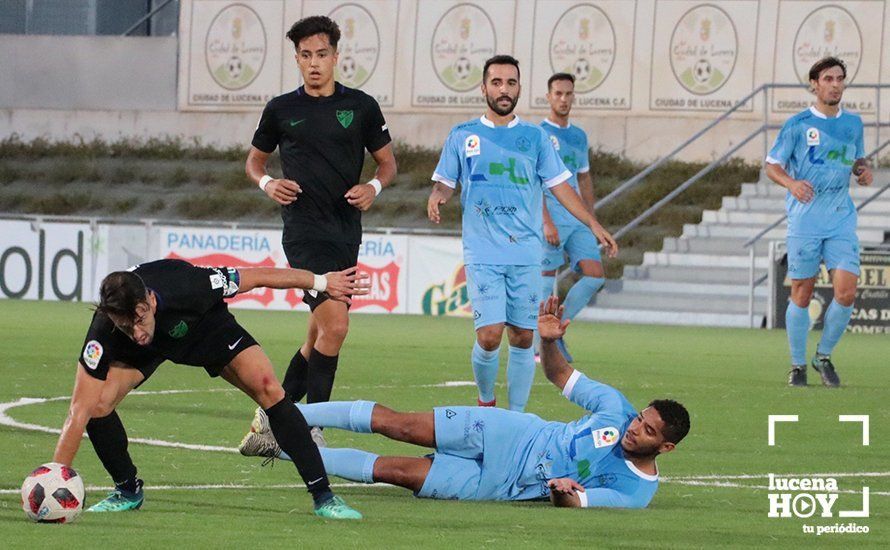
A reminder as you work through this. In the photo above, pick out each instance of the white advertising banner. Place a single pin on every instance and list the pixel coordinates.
(437, 280)
(453, 40)
(367, 48)
(592, 41)
(383, 257)
(231, 54)
(809, 31)
(703, 55)
(48, 261)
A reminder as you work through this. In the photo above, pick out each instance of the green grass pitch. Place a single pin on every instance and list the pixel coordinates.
(729, 379)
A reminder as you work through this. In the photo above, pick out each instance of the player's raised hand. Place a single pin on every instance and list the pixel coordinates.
(283, 191)
(565, 486)
(342, 284)
(862, 172)
(361, 196)
(551, 233)
(609, 243)
(802, 190)
(551, 325)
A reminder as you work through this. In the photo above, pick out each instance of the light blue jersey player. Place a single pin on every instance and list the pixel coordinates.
(502, 165)
(604, 459)
(564, 235)
(814, 155)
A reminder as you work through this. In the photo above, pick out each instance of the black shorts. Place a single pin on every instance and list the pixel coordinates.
(319, 257)
(217, 341)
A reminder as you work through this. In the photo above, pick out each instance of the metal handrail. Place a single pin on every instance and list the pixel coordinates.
(145, 17)
(686, 184)
(763, 88)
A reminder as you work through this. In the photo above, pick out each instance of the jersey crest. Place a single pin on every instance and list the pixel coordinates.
(180, 330)
(345, 117)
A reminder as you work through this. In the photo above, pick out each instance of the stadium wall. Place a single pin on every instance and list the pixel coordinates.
(651, 72)
(67, 260)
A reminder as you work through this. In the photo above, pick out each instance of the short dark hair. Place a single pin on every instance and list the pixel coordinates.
(675, 418)
(312, 25)
(826, 63)
(501, 59)
(120, 293)
(560, 76)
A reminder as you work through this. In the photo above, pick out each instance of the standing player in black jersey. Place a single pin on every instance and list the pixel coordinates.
(172, 310)
(321, 130)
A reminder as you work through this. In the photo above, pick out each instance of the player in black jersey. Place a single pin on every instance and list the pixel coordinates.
(172, 310)
(322, 130)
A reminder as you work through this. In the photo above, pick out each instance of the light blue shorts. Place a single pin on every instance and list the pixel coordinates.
(470, 440)
(504, 294)
(805, 254)
(576, 241)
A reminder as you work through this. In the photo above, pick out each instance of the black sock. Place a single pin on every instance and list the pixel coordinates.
(109, 439)
(292, 434)
(132, 485)
(322, 369)
(295, 377)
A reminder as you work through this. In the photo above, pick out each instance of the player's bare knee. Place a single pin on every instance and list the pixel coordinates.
(102, 409)
(489, 338)
(334, 331)
(845, 296)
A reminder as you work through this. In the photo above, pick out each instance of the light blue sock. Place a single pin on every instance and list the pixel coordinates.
(354, 416)
(520, 375)
(580, 294)
(485, 370)
(797, 324)
(351, 464)
(836, 319)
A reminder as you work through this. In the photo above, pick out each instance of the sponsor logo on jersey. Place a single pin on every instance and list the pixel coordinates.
(92, 353)
(812, 136)
(555, 141)
(472, 146)
(605, 437)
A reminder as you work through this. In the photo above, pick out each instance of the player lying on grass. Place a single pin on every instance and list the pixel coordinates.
(172, 310)
(606, 458)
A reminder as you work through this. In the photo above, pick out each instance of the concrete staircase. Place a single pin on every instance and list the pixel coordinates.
(701, 278)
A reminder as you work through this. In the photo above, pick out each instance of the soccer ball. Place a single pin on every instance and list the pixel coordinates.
(701, 72)
(581, 69)
(53, 493)
(348, 68)
(233, 65)
(462, 68)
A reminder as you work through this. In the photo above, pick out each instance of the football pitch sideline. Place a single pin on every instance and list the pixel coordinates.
(184, 428)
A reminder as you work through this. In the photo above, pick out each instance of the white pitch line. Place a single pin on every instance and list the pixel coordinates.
(710, 480)
(695, 483)
(243, 486)
(764, 476)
